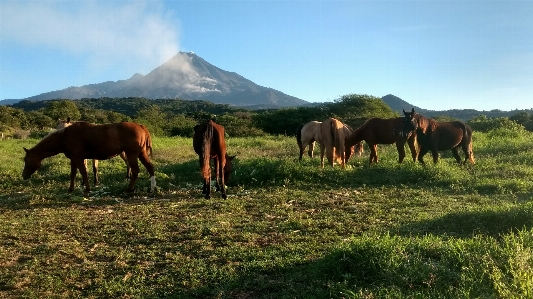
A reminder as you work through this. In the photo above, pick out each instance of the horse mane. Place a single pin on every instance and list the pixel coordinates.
(348, 127)
(356, 132)
(425, 123)
(206, 149)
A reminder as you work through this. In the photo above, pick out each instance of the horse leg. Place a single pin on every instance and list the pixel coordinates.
(423, 151)
(401, 151)
(373, 153)
(330, 154)
(82, 166)
(73, 170)
(311, 148)
(217, 174)
(206, 178)
(143, 156)
(302, 149)
(435, 154)
(125, 159)
(221, 163)
(322, 152)
(95, 172)
(455, 152)
(412, 147)
(132, 161)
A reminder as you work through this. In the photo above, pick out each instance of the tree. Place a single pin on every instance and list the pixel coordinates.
(13, 117)
(57, 109)
(154, 119)
(361, 106)
(40, 121)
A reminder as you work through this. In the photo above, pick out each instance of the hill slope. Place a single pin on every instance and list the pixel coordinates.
(184, 76)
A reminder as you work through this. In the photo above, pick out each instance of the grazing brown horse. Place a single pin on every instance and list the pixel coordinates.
(384, 131)
(61, 124)
(82, 140)
(209, 142)
(437, 136)
(333, 134)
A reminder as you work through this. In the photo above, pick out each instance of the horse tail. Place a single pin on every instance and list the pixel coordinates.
(468, 139)
(206, 149)
(148, 141)
(333, 139)
(299, 136)
(148, 144)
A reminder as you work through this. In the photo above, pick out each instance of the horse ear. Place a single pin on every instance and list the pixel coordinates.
(68, 120)
(413, 110)
(231, 157)
(26, 150)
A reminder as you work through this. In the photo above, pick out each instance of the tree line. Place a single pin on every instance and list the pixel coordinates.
(175, 117)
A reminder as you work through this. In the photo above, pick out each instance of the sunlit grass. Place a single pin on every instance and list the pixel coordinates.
(288, 229)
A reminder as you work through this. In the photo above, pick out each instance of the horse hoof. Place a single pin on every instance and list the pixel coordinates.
(207, 197)
(224, 196)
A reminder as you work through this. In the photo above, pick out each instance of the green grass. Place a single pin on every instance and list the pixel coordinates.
(287, 229)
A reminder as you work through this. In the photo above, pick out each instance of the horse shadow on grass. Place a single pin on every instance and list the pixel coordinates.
(494, 223)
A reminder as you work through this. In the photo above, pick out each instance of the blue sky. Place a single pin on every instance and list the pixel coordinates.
(433, 54)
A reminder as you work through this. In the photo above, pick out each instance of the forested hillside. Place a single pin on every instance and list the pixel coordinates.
(166, 117)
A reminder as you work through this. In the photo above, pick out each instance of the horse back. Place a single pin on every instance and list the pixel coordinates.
(451, 134)
(381, 131)
(311, 132)
(90, 141)
(218, 142)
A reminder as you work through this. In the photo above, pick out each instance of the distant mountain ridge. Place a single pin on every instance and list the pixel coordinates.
(185, 76)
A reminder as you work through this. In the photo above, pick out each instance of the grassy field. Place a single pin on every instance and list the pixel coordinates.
(287, 229)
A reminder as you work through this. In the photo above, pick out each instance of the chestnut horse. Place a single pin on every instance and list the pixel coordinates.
(61, 124)
(82, 140)
(438, 136)
(384, 131)
(208, 142)
(333, 134)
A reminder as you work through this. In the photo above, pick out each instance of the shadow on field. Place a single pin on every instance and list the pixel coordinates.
(467, 224)
(375, 264)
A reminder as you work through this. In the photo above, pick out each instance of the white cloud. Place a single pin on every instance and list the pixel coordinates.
(107, 32)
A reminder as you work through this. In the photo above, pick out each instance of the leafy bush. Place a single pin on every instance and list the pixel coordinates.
(482, 123)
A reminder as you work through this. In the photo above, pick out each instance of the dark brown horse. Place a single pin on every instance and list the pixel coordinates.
(437, 136)
(209, 142)
(83, 140)
(383, 131)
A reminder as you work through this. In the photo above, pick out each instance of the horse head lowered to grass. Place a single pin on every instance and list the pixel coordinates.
(82, 140)
(438, 136)
(209, 143)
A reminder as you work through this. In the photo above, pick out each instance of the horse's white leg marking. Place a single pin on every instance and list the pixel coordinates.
(152, 183)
